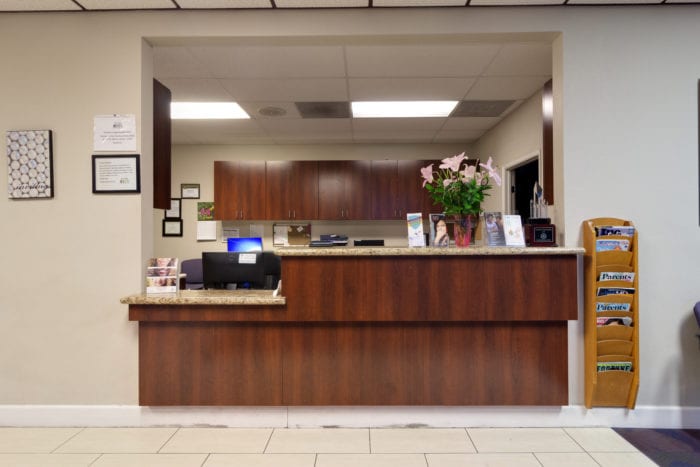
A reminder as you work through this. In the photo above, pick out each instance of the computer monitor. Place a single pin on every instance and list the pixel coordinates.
(244, 244)
(254, 270)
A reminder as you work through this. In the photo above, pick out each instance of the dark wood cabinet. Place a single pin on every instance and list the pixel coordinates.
(396, 189)
(343, 190)
(239, 190)
(292, 190)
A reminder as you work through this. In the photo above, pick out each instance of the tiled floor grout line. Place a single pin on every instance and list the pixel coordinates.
(70, 438)
(99, 455)
(267, 443)
(206, 458)
(168, 440)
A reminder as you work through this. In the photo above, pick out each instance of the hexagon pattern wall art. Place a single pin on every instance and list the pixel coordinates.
(29, 164)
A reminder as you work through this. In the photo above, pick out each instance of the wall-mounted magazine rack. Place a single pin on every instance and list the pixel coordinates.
(611, 326)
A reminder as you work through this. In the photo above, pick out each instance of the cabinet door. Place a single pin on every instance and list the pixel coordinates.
(343, 190)
(384, 190)
(412, 196)
(292, 190)
(239, 190)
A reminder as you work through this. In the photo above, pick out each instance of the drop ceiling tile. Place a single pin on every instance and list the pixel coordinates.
(127, 4)
(253, 109)
(423, 136)
(413, 61)
(392, 125)
(273, 62)
(403, 3)
(470, 123)
(515, 87)
(451, 136)
(204, 4)
(37, 5)
(321, 3)
(196, 90)
(515, 2)
(214, 128)
(287, 90)
(309, 128)
(409, 88)
(522, 59)
(177, 62)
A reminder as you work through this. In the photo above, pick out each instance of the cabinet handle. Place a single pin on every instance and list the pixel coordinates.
(295, 213)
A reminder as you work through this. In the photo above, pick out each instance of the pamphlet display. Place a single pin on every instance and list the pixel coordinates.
(513, 230)
(162, 275)
(493, 229)
(439, 235)
(611, 313)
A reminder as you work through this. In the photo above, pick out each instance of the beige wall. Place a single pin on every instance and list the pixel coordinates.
(623, 150)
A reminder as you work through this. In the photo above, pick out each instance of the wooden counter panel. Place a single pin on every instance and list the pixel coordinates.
(209, 364)
(211, 313)
(445, 288)
(426, 364)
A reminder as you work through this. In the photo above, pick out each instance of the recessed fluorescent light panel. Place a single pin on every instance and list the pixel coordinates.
(206, 110)
(401, 109)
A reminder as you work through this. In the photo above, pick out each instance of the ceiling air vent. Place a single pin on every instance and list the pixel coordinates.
(480, 108)
(323, 109)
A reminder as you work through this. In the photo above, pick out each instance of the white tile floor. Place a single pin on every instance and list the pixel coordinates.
(331, 447)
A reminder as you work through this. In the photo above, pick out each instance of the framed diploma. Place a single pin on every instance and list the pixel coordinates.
(172, 227)
(116, 174)
(189, 190)
(175, 211)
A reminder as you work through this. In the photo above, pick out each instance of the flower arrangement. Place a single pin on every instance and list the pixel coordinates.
(458, 186)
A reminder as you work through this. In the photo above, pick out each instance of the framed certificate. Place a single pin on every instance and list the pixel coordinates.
(116, 174)
(172, 227)
(175, 211)
(189, 190)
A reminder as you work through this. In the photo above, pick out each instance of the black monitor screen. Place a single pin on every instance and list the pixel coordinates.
(222, 269)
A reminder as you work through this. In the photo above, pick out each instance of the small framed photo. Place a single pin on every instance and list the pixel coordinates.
(175, 211)
(116, 173)
(189, 190)
(172, 227)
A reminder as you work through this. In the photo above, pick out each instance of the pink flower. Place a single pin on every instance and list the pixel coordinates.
(427, 174)
(447, 182)
(468, 173)
(492, 171)
(452, 163)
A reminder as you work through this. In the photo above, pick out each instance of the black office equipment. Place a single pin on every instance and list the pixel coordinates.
(368, 242)
(229, 270)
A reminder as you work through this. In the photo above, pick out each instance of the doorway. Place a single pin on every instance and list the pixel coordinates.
(522, 176)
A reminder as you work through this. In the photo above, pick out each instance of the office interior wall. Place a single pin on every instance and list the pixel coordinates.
(627, 147)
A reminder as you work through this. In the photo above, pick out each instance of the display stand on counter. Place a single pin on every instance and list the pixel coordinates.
(611, 313)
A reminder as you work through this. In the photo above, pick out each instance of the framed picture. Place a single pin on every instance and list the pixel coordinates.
(29, 164)
(189, 190)
(172, 227)
(175, 211)
(116, 173)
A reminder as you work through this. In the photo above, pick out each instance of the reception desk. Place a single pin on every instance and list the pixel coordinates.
(369, 326)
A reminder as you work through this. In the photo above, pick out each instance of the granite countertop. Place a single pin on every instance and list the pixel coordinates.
(207, 297)
(427, 251)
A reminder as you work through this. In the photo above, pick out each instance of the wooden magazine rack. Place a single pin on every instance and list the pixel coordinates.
(611, 388)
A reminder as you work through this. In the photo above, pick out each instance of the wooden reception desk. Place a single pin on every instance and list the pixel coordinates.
(369, 326)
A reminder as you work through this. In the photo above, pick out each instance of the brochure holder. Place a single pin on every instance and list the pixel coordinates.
(611, 325)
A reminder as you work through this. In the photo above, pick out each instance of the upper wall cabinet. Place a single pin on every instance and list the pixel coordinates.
(239, 190)
(292, 190)
(343, 190)
(396, 189)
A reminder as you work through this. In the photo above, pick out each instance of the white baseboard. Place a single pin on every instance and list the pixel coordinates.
(306, 417)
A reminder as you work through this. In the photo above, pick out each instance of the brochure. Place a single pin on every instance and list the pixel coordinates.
(614, 366)
(616, 276)
(162, 275)
(602, 291)
(414, 220)
(612, 306)
(614, 321)
(624, 230)
(612, 245)
(513, 230)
